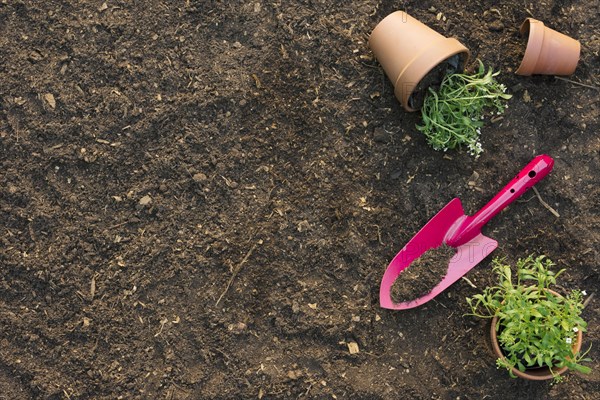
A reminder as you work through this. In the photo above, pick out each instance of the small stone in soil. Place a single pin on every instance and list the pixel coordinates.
(199, 177)
(49, 97)
(380, 135)
(237, 328)
(145, 201)
(517, 88)
(423, 274)
(353, 348)
(496, 26)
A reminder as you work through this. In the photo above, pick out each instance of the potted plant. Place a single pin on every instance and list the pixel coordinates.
(536, 333)
(453, 115)
(414, 56)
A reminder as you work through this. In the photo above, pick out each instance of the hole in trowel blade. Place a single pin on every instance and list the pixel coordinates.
(423, 274)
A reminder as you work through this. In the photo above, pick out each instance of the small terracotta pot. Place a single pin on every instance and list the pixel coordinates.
(534, 374)
(408, 50)
(548, 52)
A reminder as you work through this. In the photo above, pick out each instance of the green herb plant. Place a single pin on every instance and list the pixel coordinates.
(453, 115)
(535, 327)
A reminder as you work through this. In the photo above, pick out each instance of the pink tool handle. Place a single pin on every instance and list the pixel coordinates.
(534, 172)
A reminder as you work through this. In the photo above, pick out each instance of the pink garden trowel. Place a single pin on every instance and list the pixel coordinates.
(452, 227)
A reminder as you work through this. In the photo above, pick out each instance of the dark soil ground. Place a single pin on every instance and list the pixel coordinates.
(198, 199)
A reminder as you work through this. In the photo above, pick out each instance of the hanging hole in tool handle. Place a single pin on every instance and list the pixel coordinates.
(470, 227)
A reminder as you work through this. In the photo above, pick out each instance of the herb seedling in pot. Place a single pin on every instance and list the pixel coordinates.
(536, 332)
(453, 115)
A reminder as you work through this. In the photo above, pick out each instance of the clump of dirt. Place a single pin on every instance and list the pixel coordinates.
(423, 274)
(434, 78)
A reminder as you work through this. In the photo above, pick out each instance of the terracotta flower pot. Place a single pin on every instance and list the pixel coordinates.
(548, 52)
(408, 50)
(534, 374)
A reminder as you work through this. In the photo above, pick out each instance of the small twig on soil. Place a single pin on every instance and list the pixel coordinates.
(222, 353)
(162, 325)
(526, 201)
(379, 234)
(118, 225)
(469, 282)
(552, 210)
(577, 83)
(32, 234)
(93, 287)
(235, 272)
(439, 303)
(587, 301)
(308, 390)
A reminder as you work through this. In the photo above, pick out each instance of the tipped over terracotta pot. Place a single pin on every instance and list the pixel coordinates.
(548, 52)
(414, 56)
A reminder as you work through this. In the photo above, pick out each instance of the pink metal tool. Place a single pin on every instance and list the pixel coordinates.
(452, 227)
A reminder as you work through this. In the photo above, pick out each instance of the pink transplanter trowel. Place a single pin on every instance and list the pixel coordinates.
(452, 227)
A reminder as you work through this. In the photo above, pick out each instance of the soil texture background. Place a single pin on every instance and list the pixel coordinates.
(198, 199)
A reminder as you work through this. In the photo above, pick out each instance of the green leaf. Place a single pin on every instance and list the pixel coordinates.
(536, 313)
(452, 116)
(581, 368)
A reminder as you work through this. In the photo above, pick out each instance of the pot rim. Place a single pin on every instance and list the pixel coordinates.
(432, 56)
(535, 29)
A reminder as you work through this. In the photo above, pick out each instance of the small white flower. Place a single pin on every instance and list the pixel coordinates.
(569, 340)
(583, 292)
(575, 329)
